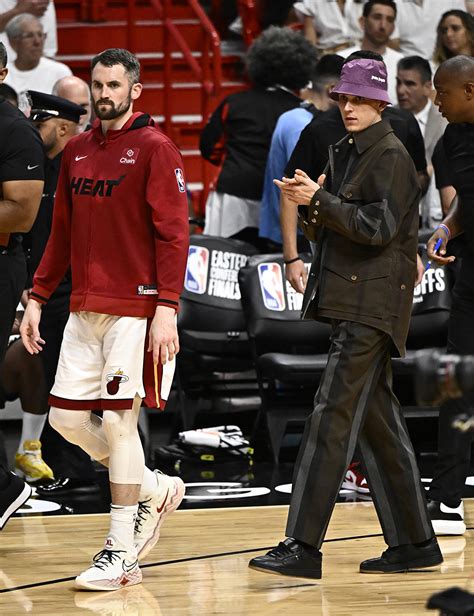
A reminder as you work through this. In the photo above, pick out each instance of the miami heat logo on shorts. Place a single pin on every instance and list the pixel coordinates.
(113, 381)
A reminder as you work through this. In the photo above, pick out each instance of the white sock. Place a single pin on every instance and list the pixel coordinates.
(122, 524)
(149, 485)
(31, 428)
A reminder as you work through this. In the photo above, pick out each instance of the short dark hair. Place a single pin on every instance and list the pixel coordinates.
(111, 57)
(327, 69)
(416, 63)
(8, 93)
(364, 54)
(368, 6)
(281, 56)
(3, 55)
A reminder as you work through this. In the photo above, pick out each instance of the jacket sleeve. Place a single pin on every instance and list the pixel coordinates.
(57, 255)
(213, 137)
(167, 197)
(375, 222)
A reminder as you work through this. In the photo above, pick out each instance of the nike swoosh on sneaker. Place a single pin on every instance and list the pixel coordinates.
(160, 509)
(31, 167)
(129, 567)
(81, 157)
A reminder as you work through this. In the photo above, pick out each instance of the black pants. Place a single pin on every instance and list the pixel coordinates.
(66, 459)
(454, 447)
(354, 405)
(12, 283)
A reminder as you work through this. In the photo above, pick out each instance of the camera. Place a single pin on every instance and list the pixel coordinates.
(441, 377)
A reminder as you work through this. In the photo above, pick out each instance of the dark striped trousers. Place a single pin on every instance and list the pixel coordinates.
(355, 405)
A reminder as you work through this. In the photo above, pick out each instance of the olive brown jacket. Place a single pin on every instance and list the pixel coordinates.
(365, 224)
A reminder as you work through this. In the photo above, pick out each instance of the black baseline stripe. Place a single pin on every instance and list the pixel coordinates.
(190, 559)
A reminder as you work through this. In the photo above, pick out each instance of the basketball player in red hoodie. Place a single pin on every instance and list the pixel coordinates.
(121, 223)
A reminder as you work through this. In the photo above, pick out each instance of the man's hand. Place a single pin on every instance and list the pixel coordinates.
(297, 275)
(301, 188)
(163, 339)
(420, 270)
(438, 257)
(29, 328)
(35, 7)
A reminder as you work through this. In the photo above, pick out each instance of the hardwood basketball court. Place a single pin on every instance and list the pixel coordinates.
(199, 567)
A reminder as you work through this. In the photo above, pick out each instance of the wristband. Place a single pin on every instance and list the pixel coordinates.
(292, 260)
(445, 229)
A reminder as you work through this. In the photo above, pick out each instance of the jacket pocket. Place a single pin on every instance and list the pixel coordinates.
(360, 291)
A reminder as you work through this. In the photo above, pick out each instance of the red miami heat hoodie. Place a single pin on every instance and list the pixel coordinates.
(120, 221)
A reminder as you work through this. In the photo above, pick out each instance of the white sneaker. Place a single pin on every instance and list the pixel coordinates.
(112, 568)
(152, 512)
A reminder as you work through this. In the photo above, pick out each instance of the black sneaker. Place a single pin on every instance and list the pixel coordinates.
(404, 558)
(447, 520)
(290, 558)
(67, 485)
(12, 498)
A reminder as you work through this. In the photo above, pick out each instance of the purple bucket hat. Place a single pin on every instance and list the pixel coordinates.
(362, 77)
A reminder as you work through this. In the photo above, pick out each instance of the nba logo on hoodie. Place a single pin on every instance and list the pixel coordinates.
(195, 279)
(180, 179)
(271, 285)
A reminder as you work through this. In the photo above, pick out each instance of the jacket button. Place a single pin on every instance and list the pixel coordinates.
(351, 140)
(315, 212)
(349, 195)
(313, 219)
(403, 287)
(353, 277)
(317, 203)
(305, 222)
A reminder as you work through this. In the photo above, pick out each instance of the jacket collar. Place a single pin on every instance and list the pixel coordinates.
(366, 138)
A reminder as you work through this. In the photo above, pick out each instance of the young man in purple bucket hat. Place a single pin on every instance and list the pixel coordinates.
(363, 215)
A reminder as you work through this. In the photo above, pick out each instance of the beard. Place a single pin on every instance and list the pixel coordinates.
(111, 112)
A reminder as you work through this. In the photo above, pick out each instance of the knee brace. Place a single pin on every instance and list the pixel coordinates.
(81, 428)
(126, 457)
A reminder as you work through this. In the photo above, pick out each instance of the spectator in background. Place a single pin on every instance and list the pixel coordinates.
(42, 9)
(455, 36)
(378, 25)
(238, 134)
(284, 139)
(414, 91)
(31, 70)
(417, 23)
(77, 91)
(9, 94)
(331, 26)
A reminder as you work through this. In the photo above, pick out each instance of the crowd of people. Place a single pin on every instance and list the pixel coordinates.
(342, 134)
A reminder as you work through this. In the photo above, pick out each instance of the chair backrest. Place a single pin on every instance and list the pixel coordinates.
(272, 308)
(211, 315)
(431, 306)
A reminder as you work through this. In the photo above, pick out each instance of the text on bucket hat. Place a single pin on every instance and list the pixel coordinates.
(363, 77)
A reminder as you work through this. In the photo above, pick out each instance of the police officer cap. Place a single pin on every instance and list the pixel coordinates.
(46, 106)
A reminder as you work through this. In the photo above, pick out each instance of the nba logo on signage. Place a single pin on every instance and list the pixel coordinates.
(197, 270)
(180, 180)
(271, 284)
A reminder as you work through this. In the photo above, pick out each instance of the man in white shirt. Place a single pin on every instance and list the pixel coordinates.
(417, 23)
(414, 89)
(42, 9)
(378, 24)
(31, 70)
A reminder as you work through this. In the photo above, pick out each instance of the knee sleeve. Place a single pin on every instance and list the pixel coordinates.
(126, 457)
(81, 428)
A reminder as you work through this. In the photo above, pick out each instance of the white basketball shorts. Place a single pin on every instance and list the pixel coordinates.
(104, 364)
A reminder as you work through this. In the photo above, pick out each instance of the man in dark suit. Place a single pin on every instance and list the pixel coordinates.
(364, 218)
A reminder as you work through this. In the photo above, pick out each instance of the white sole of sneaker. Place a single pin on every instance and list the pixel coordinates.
(29, 479)
(110, 585)
(448, 527)
(17, 503)
(174, 503)
(353, 487)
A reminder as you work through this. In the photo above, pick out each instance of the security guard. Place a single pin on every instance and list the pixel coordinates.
(57, 120)
(21, 186)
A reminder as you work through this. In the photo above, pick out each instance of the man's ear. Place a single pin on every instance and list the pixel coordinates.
(3, 74)
(136, 91)
(469, 90)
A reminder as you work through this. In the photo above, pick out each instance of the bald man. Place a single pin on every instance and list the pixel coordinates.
(77, 91)
(454, 83)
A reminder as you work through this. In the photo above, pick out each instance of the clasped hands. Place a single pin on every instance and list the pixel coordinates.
(300, 188)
